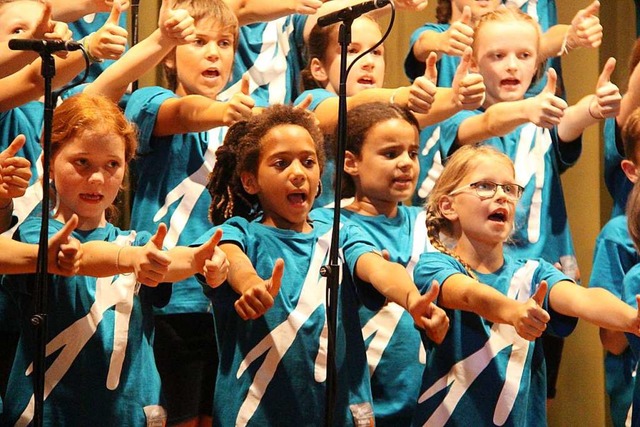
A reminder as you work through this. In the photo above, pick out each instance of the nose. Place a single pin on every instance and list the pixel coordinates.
(367, 62)
(212, 52)
(512, 62)
(405, 161)
(296, 174)
(500, 194)
(96, 176)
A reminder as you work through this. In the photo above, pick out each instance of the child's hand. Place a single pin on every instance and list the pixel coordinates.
(51, 30)
(635, 327)
(256, 300)
(531, 319)
(150, 263)
(607, 99)
(306, 7)
(176, 25)
(15, 172)
(468, 88)
(427, 316)
(585, 30)
(65, 252)
(459, 36)
(240, 105)
(546, 109)
(110, 40)
(423, 89)
(212, 261)
(417, 5)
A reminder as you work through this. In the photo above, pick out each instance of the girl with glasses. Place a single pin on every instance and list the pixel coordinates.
(472, 207)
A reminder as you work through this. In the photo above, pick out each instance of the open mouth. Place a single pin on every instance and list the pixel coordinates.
(211, 73)
(91, 197)
(498, 216)
(510, 82)
(366, 80)
(297, 198)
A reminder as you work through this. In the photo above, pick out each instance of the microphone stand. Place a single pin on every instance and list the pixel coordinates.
(331, 271)
(135, 24)
(39, 318)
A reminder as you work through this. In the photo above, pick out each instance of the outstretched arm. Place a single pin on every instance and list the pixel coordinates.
(393, 282)
(461, 292)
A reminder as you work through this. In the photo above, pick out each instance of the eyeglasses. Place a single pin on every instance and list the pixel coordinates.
(488, 189)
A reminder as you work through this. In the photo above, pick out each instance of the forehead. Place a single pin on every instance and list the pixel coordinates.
(364, 29)
(492, 168)
(508, 35)
(23, 10)
(95, 143)
(393, 129)
(213, 28)
(286, 139)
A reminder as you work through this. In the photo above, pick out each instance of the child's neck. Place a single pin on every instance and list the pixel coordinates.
(480, 256)
(367, 207)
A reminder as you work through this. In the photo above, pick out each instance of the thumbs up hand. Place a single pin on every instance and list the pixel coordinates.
(257, 299)
(240, 105)
(546, 109)
(585, 30)
(150, 264)
(459, 36)
(212, 261)
(607, 99)
(423, 89)
(110, 40)
(530, 320)
(468, 88)
(15, 172)
(428, 316)
(176, 25)
(64, 252)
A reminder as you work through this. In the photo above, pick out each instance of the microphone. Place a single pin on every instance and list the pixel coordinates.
(43, 46)
(351, 12)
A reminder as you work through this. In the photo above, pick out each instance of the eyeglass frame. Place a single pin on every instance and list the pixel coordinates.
(495, 189)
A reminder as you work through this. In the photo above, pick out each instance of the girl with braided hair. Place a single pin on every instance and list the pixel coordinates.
(272, 333)
(482, 359)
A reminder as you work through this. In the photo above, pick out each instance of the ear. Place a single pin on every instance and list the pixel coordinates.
(445, 204)
(630, 170)
(351, 163)
(249, 183)
(170, 60)
(318, 72)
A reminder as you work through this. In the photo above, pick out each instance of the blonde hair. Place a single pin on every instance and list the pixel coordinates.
(457, 167)
(511, 14)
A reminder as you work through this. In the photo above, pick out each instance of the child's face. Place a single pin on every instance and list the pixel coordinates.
(287, 179)
(478, 7)
(387, 169)
(484, 219)
(88, 172)
(19, 19)
(507, 57)
(368, 73)
(204, 66)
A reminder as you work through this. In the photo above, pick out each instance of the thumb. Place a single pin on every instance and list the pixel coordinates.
(62, 236)
(13, 148)
(592, 9)
(385, 254)
(276, 277)
(116, 11)
(433, 292)
(552, 79)
(466, 15)
(213, 241)
(430, 71)
(46, 12)
(465, 63)
(158, 238)
(605, 76)
(540, 293)
(244, 86)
